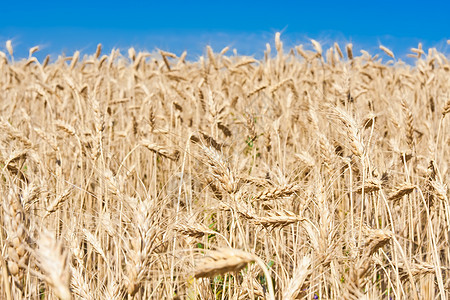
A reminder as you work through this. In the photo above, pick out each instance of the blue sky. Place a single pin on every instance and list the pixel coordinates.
(64, 26)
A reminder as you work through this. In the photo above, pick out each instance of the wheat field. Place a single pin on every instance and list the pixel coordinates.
(307, 174)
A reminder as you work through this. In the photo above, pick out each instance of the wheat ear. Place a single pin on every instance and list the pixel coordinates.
(54, 262)
(298, 278)
(226, 260)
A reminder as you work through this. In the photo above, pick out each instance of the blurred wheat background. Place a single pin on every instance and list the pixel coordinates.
(307, 174)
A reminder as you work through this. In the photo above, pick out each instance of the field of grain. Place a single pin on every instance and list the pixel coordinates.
(308, 174)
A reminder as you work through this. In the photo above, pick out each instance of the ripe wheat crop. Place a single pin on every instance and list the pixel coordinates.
(307, 174)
